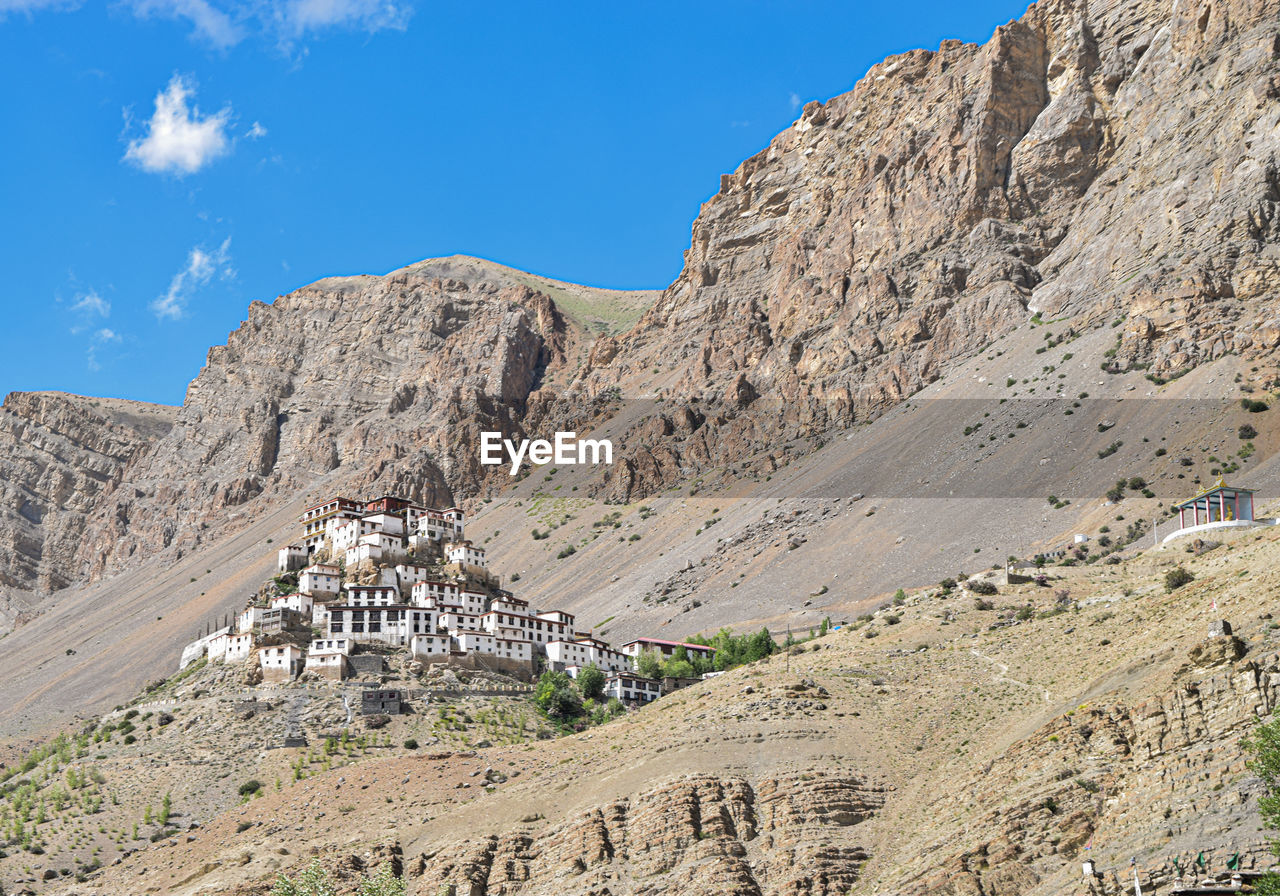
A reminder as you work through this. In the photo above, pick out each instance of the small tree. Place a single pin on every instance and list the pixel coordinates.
(649, 665)
(591, 682)
(676, 668)
(556, 697)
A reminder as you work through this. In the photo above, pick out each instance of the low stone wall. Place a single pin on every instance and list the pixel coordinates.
(478, 662)
(459, 693)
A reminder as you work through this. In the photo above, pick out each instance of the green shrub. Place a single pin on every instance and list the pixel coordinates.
(1176, 578)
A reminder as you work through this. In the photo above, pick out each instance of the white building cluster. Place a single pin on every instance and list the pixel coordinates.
(445, 609)
(382, 531)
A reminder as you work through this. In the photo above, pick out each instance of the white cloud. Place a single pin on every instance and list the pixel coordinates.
(100, 338)
(90, 303)
(215, 26)
(27, 7)
(178, 140)
(201, 267)
(300, 17)
(256, 132)
(795, 101)
(223, 24)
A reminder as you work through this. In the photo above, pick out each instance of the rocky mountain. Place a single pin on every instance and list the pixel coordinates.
(387, 380)
(992, 297)
(1106, 164)
(1093, 162)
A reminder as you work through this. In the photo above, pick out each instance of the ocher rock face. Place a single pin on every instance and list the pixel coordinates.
(1109, 160)
(793, 835)
(62, 452)
(1168, 756)
(387, 381)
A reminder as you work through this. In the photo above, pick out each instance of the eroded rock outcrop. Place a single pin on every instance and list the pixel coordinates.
(62, 453)
(787, 836)
(1131, 776)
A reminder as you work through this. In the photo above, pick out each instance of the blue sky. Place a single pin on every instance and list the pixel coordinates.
(165, 162)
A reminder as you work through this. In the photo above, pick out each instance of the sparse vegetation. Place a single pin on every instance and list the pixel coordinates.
(315, 881)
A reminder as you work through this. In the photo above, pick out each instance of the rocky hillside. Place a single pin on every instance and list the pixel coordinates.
(62, 454)
(942, 744)
(197, 744)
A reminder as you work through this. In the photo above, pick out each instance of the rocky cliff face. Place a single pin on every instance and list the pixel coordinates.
(1098, 162)
(1167, 770)
(795, 835)
(62, 454)
(367, 384)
